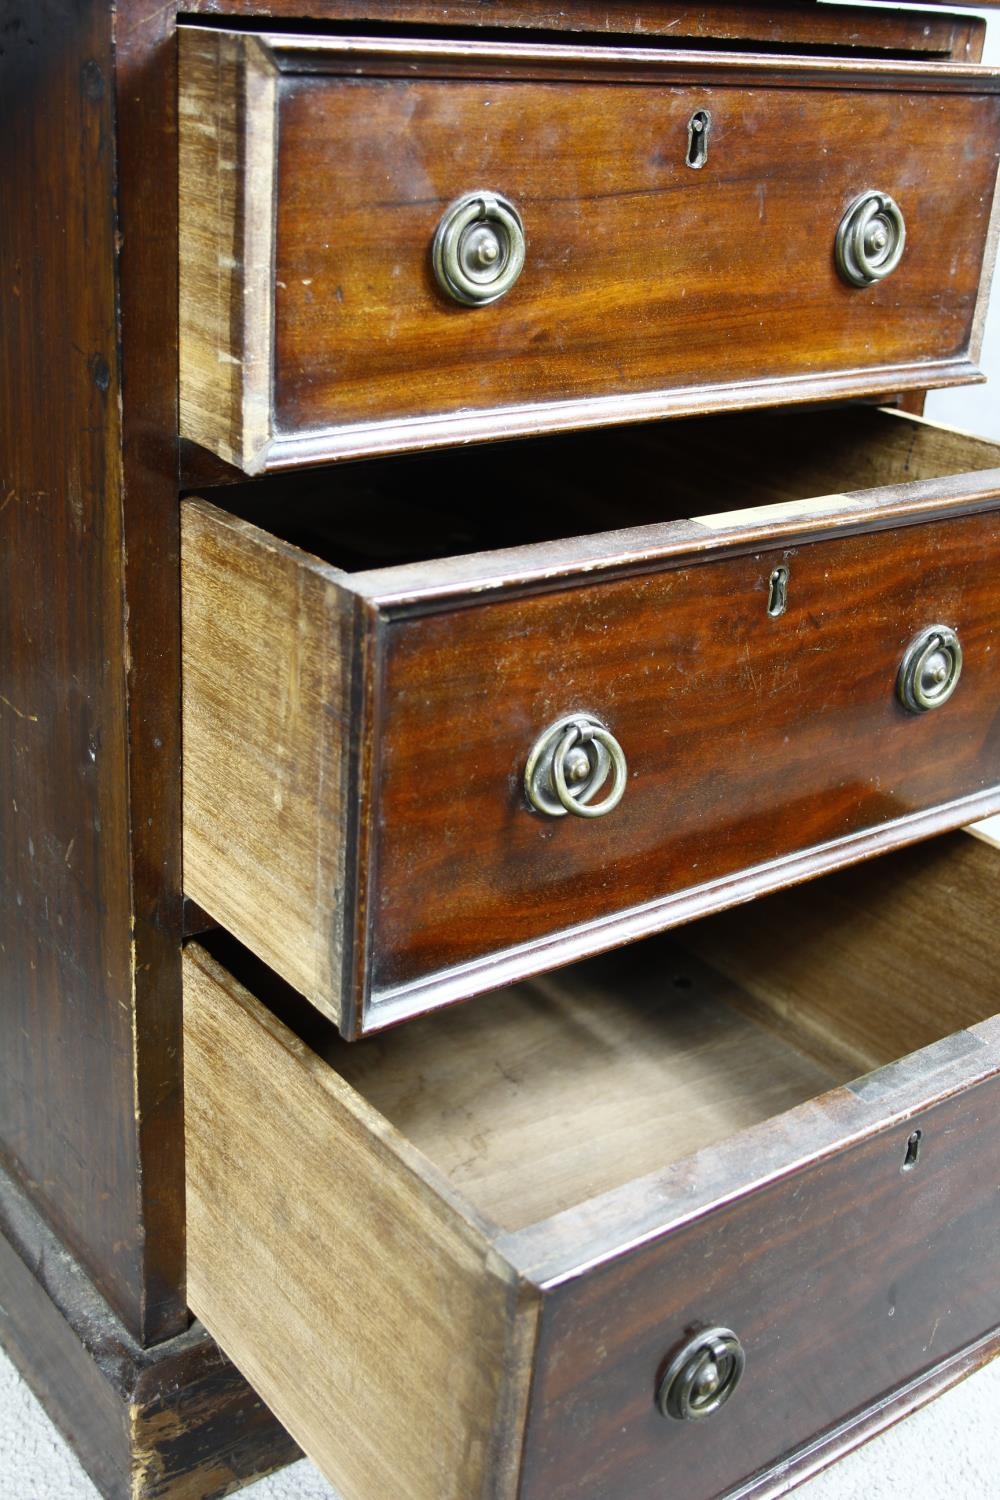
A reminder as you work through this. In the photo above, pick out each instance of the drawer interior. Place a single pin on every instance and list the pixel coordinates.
(608, 1070)
(413, 509)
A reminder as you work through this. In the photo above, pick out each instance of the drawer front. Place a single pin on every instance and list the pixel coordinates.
(659, 275)
(842, 1282)
(364, 1244)
(748, 738)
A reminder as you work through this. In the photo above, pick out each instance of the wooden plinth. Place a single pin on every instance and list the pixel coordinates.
(173, 1421)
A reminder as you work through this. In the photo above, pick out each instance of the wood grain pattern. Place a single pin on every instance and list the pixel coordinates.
(146, 124)
(748, 739)
(175, 1422)
(753, 742)
(845, 1276)
(362, 1300)
(593, 1078)
(226, 161)
(943, 894)
(632, 285)
(268, 815)
(861, 1426)
(849, 28)
(89, 1108)
(843, 1280)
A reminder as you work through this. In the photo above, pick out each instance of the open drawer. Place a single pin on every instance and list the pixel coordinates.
(465, 1258)
(366, 803)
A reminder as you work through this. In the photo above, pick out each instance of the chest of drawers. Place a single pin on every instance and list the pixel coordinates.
(696, 1188)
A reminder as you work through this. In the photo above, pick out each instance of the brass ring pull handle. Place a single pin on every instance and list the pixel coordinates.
(930, 669)
(702, 1376)
(478, 250)
(870, 240)
(568, 766)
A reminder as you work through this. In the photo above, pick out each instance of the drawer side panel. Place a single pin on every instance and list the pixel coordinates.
(367, 1310)
(268, 741)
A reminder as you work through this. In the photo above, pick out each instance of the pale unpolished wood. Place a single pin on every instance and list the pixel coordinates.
(267, 651)
(392, 1324)
(873, 963)
(333, 1264)
(603, 1072)
(595, 1075)
(988, 830)
(226, 150)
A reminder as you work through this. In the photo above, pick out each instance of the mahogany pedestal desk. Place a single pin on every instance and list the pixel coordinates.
(705, 654)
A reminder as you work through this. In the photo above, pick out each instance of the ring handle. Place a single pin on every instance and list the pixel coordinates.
(479, 248)
(702, 1375)
(569, 764)
(871, 239)
(930, 669)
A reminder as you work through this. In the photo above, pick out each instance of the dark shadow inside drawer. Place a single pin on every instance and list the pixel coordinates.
(733, 685)
(415, 509)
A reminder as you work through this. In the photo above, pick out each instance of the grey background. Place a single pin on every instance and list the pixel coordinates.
(948, 1451)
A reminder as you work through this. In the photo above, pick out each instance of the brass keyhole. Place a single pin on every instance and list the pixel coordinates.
(699, 125)
(777, 592)
(912, 1151)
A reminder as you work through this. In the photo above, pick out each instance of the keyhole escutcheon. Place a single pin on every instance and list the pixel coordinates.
(777, 592)
(699, 125)
(912, 1154)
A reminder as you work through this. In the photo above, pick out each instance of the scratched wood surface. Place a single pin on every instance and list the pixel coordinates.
(787, 26)
(89, 1078)
(92, 1252)
(711, 287)
(173, 1422)
(843, 1280)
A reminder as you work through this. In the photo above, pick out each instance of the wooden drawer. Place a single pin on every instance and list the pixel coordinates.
(316, 171)
(458, 1258)
(356, 743)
